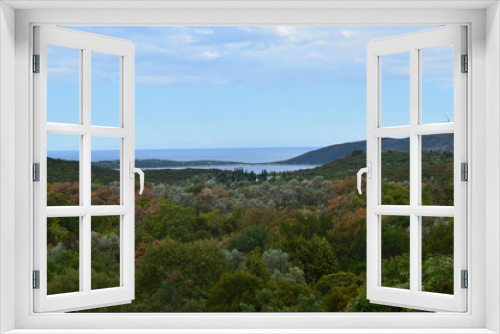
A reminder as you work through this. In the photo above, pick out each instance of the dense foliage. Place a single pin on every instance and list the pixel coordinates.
(232, 241)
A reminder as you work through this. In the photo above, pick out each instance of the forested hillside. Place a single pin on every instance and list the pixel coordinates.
(439, 143)
(232, 241)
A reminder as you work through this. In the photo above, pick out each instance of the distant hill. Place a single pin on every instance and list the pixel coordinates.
(59, 170)
(159, 163)
(439, 143)
(395, 166)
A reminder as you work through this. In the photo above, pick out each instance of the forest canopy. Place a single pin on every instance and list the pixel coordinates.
(210, 240)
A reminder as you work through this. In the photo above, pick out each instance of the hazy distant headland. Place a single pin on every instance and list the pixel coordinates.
(310, 159)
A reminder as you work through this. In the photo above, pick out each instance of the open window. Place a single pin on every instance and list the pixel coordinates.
(399, 130)
(74, 64)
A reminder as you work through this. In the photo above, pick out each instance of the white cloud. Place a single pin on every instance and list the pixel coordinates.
(204, 31)
(237, 46)
(182, 55)
(348, 33)
(211, 54)
(151, 48)
(284, 31)
(186, 39)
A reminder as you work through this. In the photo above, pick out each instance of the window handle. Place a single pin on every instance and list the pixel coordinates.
(139, 171)
(368, 171)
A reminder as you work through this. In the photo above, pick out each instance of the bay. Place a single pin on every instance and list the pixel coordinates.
(247, 155)
(256, 168)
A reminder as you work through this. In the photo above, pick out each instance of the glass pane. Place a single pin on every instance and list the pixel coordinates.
(395, 171)
(437, 169)
(437, 84)
(105, 171)
(63, 85)
(63, 170)
(105, 90)
(105, 252)
(437, 254)
(395, 89)
(396, 252)
(63, 259)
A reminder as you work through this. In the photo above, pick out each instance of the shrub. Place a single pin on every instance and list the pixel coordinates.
(396, 272)
(339, 297)
(67, 281)
(201, 262)
(315, 256)
(343, 279)
(437, 274)
(294, 276)
(172, 221)
(255, 265)
(251, 237)
(309, 303)
(175, 294)
(233, 290)
(103, 280)
(276, 259)
(237, 258)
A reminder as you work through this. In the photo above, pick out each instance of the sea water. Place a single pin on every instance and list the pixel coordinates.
(255, 156)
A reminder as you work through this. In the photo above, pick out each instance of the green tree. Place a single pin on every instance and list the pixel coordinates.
(201, 262)
(437, 274)
(255, 265)
(314, 256)
(343, 279)
(175, 294)
(251, 237)
(360, 304)
(339, 297)
(233, 290)
(67, 281)
(172, 221)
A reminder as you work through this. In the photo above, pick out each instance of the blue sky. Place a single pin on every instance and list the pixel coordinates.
(216, 87)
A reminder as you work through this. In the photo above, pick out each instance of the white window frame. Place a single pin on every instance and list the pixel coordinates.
(483, 314)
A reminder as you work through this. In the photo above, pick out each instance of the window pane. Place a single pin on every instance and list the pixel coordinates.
(105, 252)
(395, 171)
(63, 260)
(63, 84)
(437, 169)
(396, 252)
(395, 89)
(437, 84)
(105, 90)
(437, 254)
(63, 170)
(105, 171)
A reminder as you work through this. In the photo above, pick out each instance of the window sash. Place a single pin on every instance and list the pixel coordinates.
(86, 297)
(414, 298)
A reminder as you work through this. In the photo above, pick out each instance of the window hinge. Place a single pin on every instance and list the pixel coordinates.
(36, 63)
(36, 279)
(465, 64)
(36, 172)
(465, 279)
(464, 171)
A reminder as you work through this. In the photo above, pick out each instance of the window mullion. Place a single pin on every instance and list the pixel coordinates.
(85, 162)
(414, 169)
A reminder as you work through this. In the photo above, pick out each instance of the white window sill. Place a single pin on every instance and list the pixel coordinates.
(249, 331)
